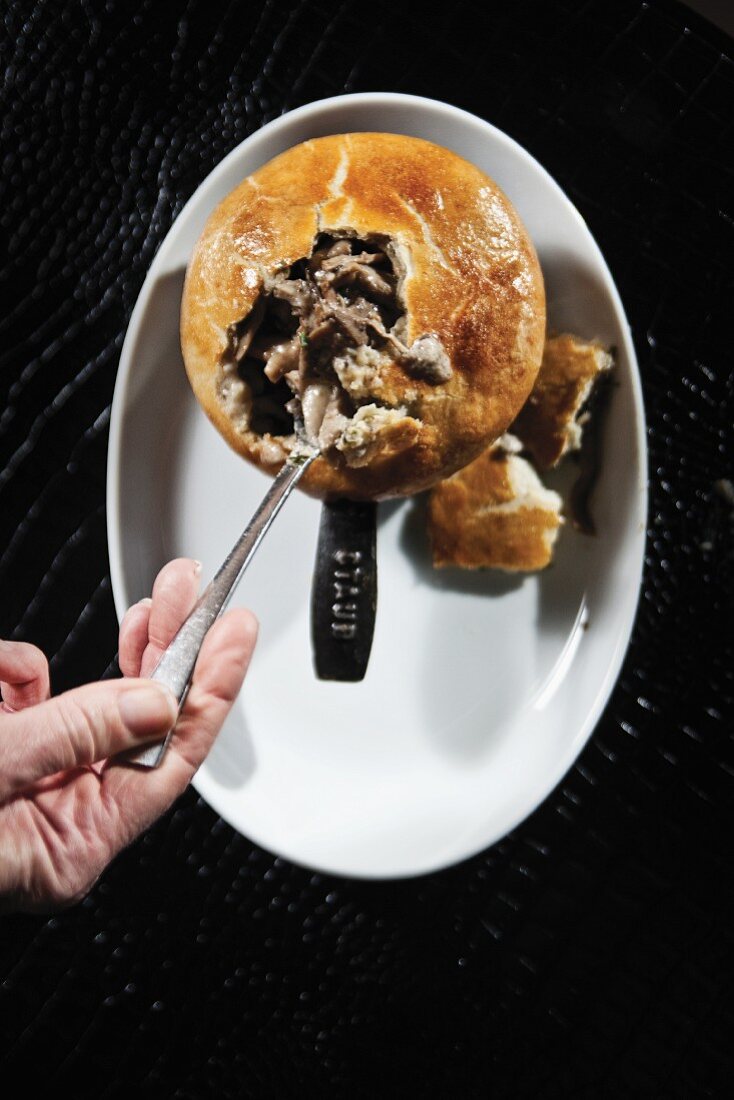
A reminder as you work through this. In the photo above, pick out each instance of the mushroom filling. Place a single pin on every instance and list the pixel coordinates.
(307, 357)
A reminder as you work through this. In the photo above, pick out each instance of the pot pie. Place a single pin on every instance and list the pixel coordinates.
(374, 292)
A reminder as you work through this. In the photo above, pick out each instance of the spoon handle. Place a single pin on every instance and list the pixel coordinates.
(176, 666)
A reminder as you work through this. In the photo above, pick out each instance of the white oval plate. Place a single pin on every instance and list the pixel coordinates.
(481, 689)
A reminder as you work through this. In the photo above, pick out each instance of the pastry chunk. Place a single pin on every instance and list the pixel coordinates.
(552, 420)
(495, 514)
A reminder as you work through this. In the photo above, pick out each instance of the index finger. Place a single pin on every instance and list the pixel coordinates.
(142, 795)
(174, 595)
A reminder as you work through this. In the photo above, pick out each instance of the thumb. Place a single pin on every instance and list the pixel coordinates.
(80, 727)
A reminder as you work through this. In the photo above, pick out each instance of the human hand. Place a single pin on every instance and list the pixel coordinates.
(67, 805)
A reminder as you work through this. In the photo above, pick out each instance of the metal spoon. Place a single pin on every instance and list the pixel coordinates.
(176, 666)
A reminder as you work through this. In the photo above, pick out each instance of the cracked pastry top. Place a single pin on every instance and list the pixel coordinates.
(379, 293)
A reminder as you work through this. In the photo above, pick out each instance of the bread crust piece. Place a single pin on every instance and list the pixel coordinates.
(472, 277)
(551, 423)
(494, 514)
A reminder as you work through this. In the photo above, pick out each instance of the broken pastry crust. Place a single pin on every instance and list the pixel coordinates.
(494, 514)
(551, 423)
(468, 278)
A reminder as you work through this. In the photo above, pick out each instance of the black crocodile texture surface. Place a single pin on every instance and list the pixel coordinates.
(588, 954)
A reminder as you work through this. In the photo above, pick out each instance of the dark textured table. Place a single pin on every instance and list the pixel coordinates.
(590, 952)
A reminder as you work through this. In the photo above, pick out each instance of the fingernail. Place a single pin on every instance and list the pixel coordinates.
(197, 567)
(147, 710)
(146, 602)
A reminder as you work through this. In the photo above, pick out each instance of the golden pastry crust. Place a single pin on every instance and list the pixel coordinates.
(549, 424)
(494, 514)
(472, 278)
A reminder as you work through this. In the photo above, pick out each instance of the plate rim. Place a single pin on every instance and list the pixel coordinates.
(541, 789)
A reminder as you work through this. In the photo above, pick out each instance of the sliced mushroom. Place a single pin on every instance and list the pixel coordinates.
(282, 359)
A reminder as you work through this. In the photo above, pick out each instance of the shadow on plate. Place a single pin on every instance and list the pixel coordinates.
(577, 300)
